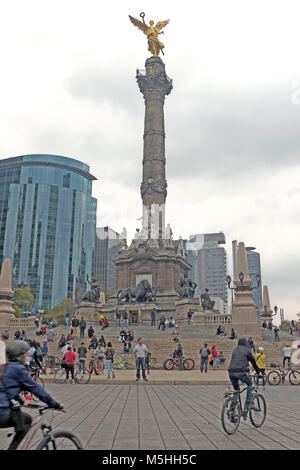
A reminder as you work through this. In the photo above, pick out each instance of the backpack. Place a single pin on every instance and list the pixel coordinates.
(109, 354)
(204, 352)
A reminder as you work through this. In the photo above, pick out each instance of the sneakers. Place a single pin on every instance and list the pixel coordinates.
(137, 380)
(145, 379)
(113, 376)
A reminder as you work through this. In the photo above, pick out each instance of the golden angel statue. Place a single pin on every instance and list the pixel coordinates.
(152, 32)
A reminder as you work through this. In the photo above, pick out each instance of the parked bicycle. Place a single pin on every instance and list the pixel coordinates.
(233, 411)
(80, 376)
(275, 377)
(52, 363)
(51, 440)
(94, 365)
(187, 363)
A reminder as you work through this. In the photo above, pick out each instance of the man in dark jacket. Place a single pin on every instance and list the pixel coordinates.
(82, 326)
(239, 367)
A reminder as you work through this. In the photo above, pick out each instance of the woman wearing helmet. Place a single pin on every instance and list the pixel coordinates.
(14, 378)
(260, 358)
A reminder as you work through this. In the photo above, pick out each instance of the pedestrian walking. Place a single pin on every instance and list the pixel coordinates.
(70, 358)
(162, 322)
(147, 361)
(140, 351)
(109, 355)
(153, 316)
(44, 352)
(82, 351)
(125, 318)
(99, 355)
(214, 358)
(189, 317)
(75, 325)
(260, 359)
(204, 354)
(276, 335)
(82, 326)
(287, 350)
(118, 318)
(67, 317)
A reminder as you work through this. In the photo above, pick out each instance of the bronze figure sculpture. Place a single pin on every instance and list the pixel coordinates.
(152, 32)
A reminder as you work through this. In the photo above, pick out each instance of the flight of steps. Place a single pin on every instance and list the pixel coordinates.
(161, 344)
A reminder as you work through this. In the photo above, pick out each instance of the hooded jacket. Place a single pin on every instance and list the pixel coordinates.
(16, 379)
(241, 357)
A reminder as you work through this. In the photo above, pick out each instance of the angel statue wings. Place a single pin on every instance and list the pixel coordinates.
(152, 32)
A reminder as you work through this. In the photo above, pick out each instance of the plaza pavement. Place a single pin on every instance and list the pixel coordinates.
(168, 417)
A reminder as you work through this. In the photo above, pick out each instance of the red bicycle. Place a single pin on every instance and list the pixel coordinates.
(187, 363)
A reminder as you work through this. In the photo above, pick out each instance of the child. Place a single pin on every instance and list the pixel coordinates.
(221, 358)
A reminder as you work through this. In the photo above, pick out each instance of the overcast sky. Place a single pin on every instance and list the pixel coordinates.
(232, 120)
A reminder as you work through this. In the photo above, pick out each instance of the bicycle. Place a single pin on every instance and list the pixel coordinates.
(52, 363)
(51, 440)
(232, 410)
(34, 371)
(187, 364)
(94, 365)
(275, 378)
(80, 376)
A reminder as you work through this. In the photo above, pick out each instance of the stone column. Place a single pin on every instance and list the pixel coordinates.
(244, 315)
(266, 314)
(6, 292)
(154, 85)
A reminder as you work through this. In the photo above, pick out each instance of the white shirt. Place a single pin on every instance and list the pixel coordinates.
(2, 352)
(287, 351)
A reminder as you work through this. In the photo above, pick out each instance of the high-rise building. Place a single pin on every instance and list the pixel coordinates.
(108, 244)
(254, 267)
(211, 263)
(47, 224)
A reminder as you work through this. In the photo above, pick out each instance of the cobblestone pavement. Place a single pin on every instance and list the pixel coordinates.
(182, 417)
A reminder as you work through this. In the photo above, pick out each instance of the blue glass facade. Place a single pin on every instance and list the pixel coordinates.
(47, 224)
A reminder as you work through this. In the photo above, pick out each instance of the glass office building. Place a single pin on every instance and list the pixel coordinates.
(47, 224)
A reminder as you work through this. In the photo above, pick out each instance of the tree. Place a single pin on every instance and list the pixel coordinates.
(285, 326)
(24, 300)
(59, 311)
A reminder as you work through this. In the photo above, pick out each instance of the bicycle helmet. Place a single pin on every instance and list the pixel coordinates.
(261, 349)
(15, 349)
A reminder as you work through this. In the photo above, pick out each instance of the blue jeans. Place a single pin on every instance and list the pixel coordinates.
(125, 322)
(118, 322)
(67, 321)
(189, 321)
(140, 363)
(245, 378)
(82, 364)
(109, 368)
(204, 361)
(215, 362)
(276, 337)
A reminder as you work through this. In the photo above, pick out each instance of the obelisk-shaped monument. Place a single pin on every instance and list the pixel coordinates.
(244, 315)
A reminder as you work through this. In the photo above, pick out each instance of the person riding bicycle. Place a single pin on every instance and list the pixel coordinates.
(14, 378)
(239, 367)
(31, 356)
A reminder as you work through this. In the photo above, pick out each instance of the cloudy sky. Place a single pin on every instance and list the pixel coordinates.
(232, 120)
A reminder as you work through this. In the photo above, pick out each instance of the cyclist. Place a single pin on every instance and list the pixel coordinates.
(239, 367)
(31, 356)
(13, 379)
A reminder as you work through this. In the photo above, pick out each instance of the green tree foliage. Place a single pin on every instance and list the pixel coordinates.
(285, 326)
(24, 300)
(59, 311)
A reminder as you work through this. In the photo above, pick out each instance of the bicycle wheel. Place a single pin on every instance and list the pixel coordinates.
(97, 367)
(91, 366)
(274, 378)
(60, 376)
(294, 377)
(60, 440)
(169, 364)
(231, 415)
(258, 410)
(82, 377)
(188, 364)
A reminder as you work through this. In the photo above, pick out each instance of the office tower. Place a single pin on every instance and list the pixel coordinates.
(211, 264)
(108, 244)
(47, 224)
(254, 267)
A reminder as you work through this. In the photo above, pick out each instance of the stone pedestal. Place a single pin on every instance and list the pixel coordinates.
(244, 315)
(183, 306)
(90, 311)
